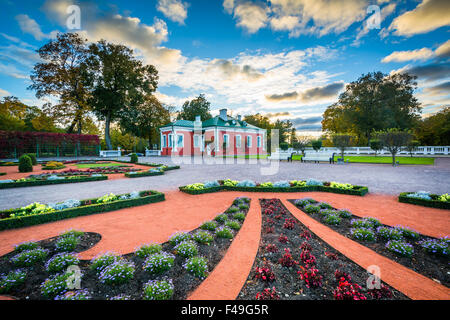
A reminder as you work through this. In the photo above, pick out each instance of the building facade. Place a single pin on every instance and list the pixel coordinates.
(219, 136)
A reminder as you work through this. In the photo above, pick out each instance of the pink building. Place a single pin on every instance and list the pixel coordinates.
(221, 135)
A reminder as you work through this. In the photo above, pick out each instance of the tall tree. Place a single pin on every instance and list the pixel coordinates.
(375, 101)
(394, 139)
(342, 141)
(143, 120)
(63, 74)
(435, 129)
(121, 82)
(196, 107)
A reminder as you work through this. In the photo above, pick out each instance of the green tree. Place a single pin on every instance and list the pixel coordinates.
(301, 143)
(376, 101)
(393, 139)
(342, 141)
(435, 129)
(196, 107)
(411, 146)
(12, 113)
(375, 145)
(63, 74)
(121, 82)
(316, 144)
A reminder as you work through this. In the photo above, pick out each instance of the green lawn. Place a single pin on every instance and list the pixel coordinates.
(381, 159)
(96, 165)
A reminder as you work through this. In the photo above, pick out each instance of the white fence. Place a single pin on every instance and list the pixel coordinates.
(152, 153)
(424, 150)
(110, 153)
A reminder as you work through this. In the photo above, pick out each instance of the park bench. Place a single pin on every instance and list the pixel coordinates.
(318, 156)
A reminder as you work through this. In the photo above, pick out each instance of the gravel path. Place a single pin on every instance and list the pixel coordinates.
(379, 178)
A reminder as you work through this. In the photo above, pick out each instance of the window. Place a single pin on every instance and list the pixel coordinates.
(238, 141)
(197, 141)
(226, 139)
(259, 141)
(249, 141)
(180, 141)
(170, 140)
(164, 141)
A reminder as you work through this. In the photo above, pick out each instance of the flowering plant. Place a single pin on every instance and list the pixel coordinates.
(158, 289)
(158, 262)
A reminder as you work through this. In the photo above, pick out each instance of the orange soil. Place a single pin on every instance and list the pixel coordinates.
(12, 172)
(124, 230)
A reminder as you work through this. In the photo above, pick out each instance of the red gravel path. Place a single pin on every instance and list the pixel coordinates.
(123, 230)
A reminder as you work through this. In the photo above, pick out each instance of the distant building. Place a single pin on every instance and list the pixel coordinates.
(214, 137)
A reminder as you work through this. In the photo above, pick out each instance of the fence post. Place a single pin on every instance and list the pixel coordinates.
(37, 149)
(57, 151)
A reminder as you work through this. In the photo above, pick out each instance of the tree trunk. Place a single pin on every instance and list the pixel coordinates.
(150, 145)
(393, 158)
(107, 137)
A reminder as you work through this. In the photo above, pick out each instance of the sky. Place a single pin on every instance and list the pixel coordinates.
(287, 59)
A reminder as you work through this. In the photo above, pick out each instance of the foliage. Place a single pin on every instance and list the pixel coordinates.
(60, 262)
(33, 158)
(158, 262)
(118, 272)
(376, 145)
(440, 247)
(28, 245)
(265, 273)
(400, 248)
(387, 233)
(224, 232)
(203, 237)
(25, 164)
(198, 266)
(240, 216)
(316, 144)
(103, 260)
(186, 249)
(268, 294)
(148, 249)
(29, 258)
(233, 224)
(179, 237)
(12, 280)
(196, 107)
(287, 260)
(412, 145)
(67, 244)
(221, 218)
(107, 198)
(55, 285)
(342, 141)
(158, 290)
(284, 146)
(393, 139)
(435, 129)
(333, 219)
(134, 158)
(363, 234)
(78, 295)
(408, 233)
(209, 225)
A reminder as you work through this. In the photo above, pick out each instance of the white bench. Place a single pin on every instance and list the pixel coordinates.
(283, 155)
(110, 153)
(318, 156)
(150, 153)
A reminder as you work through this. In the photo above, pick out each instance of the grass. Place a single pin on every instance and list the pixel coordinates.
(381, 159)
(97, 165)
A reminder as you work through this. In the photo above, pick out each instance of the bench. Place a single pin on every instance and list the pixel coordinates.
(318, 156)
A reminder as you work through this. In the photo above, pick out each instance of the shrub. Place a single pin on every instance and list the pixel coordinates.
(387, 233)
(71, 203)
(333, 219)
(25, 164)
(243, 206)
(186, 249)
(74, 295)
(224, 232)
(178, 237)
(55, 285)
(33, 158)
(221, 218)
(282, 184)
(72, 233)
(239, 216)
(424, 195)
(265, 273)
(266, 185)
(158, 262)
(367, 223)
(444, 197)
(362, 234)
(375, 222)
(324, 205)
(436, 246)
(11, 280)
(211, 184)
(310, 208)
(67, 244)
(303, 202)
(268, 294)
(246, 183)
(209, 225)
(230, 183)
(134, 158)
(158, 290)
(408, 233)
(60, 262)
(314, 182)
(107, 198)
(148, 249)
(343, 186)
(287, 260)
(118, 272)
(102, 261)
(344, 214)
(203, 237)
(233, 224)
(400, 248)
(28, 258)
(311, 277)
(198, 266)
(232, 209)
(28, 245)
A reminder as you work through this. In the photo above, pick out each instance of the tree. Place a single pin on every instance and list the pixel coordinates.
(393, 139)
(145, 119)
(301, 143)
(375, 101)
(12, 113)
(63, 74)
(342, 141)
(284, 127)
(196, 107)
(435, 129)
(412, 145)
(316, 144)
(120, 82)
(375, 145)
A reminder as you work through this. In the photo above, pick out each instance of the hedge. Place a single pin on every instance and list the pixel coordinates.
(35, 183)
(144, 174)
(19, 222)
(358, 191)
(423, 202)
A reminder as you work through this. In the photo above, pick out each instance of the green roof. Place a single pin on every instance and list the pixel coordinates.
(213, 122)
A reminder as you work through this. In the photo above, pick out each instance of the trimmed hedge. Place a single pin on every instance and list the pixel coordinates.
(47, 182)
(19, 222)
(422, 202)
(358, 191)
(144, 174)
(25, 164)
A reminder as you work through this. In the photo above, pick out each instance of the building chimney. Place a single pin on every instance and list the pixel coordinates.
(198, 119)
(223, 114)
(239, 117)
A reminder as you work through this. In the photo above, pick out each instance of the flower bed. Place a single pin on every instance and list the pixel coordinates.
(48, 179)
(53, 165)
(426, 199)
(425, 255)
(281, 186)
(39, 213)
(154, 271)
(294, 264)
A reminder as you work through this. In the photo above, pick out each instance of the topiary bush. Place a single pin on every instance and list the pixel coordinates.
(134, 158)
(33, 158)
(25, 164)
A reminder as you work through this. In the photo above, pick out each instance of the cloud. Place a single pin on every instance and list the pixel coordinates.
(277, 114)
(440, 89)
(251, 16)
(320, 93)
(288, 96)
(4, 93)
(430, 72)
(20, 55)
(427, 16)
(30, 26)
(12, 71)
(443, 51)
(231, 70)
(412, 55)
(174, 10)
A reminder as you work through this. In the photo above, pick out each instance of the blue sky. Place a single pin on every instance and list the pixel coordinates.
(288, 59)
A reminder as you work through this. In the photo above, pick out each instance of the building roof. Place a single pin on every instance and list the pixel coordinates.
(216, 121)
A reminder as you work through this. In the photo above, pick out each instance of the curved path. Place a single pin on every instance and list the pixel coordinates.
(124, 230)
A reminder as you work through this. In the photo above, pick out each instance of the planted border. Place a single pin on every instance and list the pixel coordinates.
(423, 202)
(357, 191)
(19, 222)
(48, 182)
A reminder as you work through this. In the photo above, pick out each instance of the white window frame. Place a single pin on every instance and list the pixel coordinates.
(164, 142)
(258, 141)
(238, 141)
(249, 141)
(182, 141)
(197, 140)
(170, 135)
